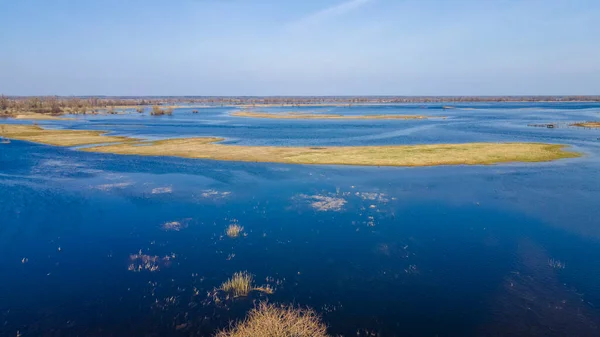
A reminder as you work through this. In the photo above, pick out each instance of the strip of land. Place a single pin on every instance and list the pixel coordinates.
(587, 125)
(37, 134)
(36, 117)
(208, 148)
(297, 115)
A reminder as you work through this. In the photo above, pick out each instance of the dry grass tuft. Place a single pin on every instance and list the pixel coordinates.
(234, 230)
(268, 320)
(239, 285)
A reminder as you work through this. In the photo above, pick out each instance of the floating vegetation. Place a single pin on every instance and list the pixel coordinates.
(162, 190)
(140, 262)
(380, 197)
(268, 320)
(109, 187)
(213, 194)
(371, 221)
(174, 226)
(166, 303)
(234, 230)
(556, 264)
(411, 269)
(325, 203)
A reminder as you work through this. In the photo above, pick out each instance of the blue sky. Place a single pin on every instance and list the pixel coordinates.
(309, 47)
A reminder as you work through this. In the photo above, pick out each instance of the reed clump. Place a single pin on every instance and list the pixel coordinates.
(268, 320)
(239, 285)
(158, 111)
(242, 283)
(234, 230)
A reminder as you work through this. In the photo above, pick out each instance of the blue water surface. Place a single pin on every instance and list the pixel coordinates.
(107, 245)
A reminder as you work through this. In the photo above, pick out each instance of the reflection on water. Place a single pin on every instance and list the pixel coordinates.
(107, 245)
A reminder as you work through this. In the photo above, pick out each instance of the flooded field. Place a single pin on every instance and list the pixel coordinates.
(96, 244)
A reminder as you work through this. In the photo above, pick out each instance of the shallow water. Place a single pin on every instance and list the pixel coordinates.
(438, 251)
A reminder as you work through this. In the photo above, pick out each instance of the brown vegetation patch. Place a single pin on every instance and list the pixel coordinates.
(587, 125)
(268, 320)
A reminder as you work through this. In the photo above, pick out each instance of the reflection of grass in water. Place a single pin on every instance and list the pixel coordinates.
(234, 230)
(268, 320)
(241, 284)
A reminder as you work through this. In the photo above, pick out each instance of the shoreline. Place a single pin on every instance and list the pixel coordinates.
(210, 148)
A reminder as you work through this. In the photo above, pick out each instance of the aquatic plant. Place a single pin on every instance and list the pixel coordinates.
(325, 203)
(174, 226)
(268, 320)
(234, 230)
(556, 264)
(242, 283)
(162, 190)
(239, 285)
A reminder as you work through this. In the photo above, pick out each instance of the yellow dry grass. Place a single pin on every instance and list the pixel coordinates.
(391, 155)
(588, 124)
(297, 115)
(37, 134)
(234, 230)
(239, 285)
(403, 155)
(37, 116)
(268, 320)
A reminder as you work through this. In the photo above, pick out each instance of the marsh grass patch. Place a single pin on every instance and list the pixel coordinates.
(241, 284)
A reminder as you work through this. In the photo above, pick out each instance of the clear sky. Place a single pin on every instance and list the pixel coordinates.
(308, 47)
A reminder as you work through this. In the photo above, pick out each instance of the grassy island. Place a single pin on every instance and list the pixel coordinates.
(209, 148)
(587, 125)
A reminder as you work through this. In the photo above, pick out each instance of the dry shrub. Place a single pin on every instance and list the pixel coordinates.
(268, 320)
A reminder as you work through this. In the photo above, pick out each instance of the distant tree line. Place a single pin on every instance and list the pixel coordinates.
(88, 104)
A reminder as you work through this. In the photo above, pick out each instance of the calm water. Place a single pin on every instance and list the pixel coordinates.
(442, 251)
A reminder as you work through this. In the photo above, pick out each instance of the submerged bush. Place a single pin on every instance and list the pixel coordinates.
(268, 320)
